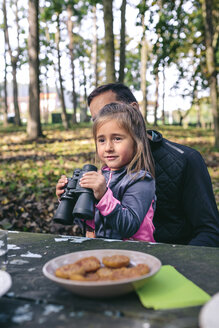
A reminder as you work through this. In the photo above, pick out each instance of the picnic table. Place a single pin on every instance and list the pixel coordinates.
(34, 301)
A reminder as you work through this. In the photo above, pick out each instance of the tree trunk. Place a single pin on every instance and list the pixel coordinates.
(163, 95)
(5, 121)
(198, 109)
(14, 60)
(109, 41)
(71, 51)
(33, 125)
(46, 77)
(122, 43)
(211, 64)
(180, 119)
(84, 81)
(144, 68)
(83, 108)
(15, 93)
(47, 101)
(156, 98)
(61, 94)
(95, 47)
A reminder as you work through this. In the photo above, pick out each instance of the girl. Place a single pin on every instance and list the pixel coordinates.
(125, 187)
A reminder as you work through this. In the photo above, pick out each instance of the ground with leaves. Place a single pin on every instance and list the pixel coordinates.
(29, 171)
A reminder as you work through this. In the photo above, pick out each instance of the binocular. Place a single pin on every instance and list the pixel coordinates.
(76, 202)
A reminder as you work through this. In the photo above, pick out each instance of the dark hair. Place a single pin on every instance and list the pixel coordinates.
(130, 119)
(123, 93)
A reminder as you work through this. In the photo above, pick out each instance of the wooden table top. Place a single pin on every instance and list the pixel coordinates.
(34, 301)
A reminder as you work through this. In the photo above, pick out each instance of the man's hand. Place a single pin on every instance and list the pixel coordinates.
(60, 185)
(94, 181)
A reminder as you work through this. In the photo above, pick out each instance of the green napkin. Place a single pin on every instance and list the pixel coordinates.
(170, 289)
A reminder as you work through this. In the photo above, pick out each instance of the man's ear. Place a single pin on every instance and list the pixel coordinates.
(135, 105)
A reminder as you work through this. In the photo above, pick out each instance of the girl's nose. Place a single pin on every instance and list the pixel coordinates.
(109, 145)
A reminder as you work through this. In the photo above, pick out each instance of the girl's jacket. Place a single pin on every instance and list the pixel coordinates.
(127, 208)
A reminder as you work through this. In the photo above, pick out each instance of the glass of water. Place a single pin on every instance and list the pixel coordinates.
(3, 249)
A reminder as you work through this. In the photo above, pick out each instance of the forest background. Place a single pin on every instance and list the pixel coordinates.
(165, 51)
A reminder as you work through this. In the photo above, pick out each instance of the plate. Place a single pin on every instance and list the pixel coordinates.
(5, 282)
(209, 314)
(102, 289)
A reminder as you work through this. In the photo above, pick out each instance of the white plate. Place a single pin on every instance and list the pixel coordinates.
(5, 282)
(209, 314)
(102, 288)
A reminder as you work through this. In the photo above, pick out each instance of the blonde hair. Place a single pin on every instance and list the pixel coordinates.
(130, 119)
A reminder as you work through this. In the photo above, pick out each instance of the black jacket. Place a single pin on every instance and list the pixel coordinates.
(186, 211)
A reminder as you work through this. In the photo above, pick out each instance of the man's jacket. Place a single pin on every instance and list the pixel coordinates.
(186, 210)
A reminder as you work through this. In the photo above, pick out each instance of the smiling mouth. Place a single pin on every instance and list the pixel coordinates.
(111, 158)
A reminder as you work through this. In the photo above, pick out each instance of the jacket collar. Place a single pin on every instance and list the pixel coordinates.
(157, 138)
(122, 169)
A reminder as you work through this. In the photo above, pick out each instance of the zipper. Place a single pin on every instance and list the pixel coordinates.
(110, 177)
(174, 147)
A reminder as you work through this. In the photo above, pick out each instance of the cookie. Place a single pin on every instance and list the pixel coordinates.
(116, 261)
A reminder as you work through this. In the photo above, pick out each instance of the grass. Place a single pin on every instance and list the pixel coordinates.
(34, 165)
(60, 152)
(30, 170)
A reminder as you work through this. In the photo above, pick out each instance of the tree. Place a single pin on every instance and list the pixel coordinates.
(162, 49)
(61, 92)
(109, 41)
(195, 39)
(14, 55)
(33, 125)
(5, 122)
(83, 55)
(122, 43)
(144, 57)
(156, 96)
(95, 47)
(210, 32)
(71, 52)
(53, 14)
(45, 63)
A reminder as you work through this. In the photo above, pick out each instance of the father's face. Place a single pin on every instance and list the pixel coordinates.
(100, 101)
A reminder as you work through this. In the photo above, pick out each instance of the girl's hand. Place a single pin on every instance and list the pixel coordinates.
(90, 234)
(60, 186)
(94, 181)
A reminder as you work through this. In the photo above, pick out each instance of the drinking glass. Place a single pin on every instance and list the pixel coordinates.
(3, 249)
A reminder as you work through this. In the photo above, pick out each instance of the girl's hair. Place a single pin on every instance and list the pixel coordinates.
(130, 119)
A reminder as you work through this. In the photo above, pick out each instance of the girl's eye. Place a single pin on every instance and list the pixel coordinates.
(118, 138)
(100, 140)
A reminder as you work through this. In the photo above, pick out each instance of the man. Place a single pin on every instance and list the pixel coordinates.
(186, 210)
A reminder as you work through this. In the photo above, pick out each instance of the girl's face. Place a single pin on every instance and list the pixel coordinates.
(115, 146)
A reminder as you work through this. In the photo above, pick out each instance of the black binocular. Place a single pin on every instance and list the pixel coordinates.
(76, 202)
